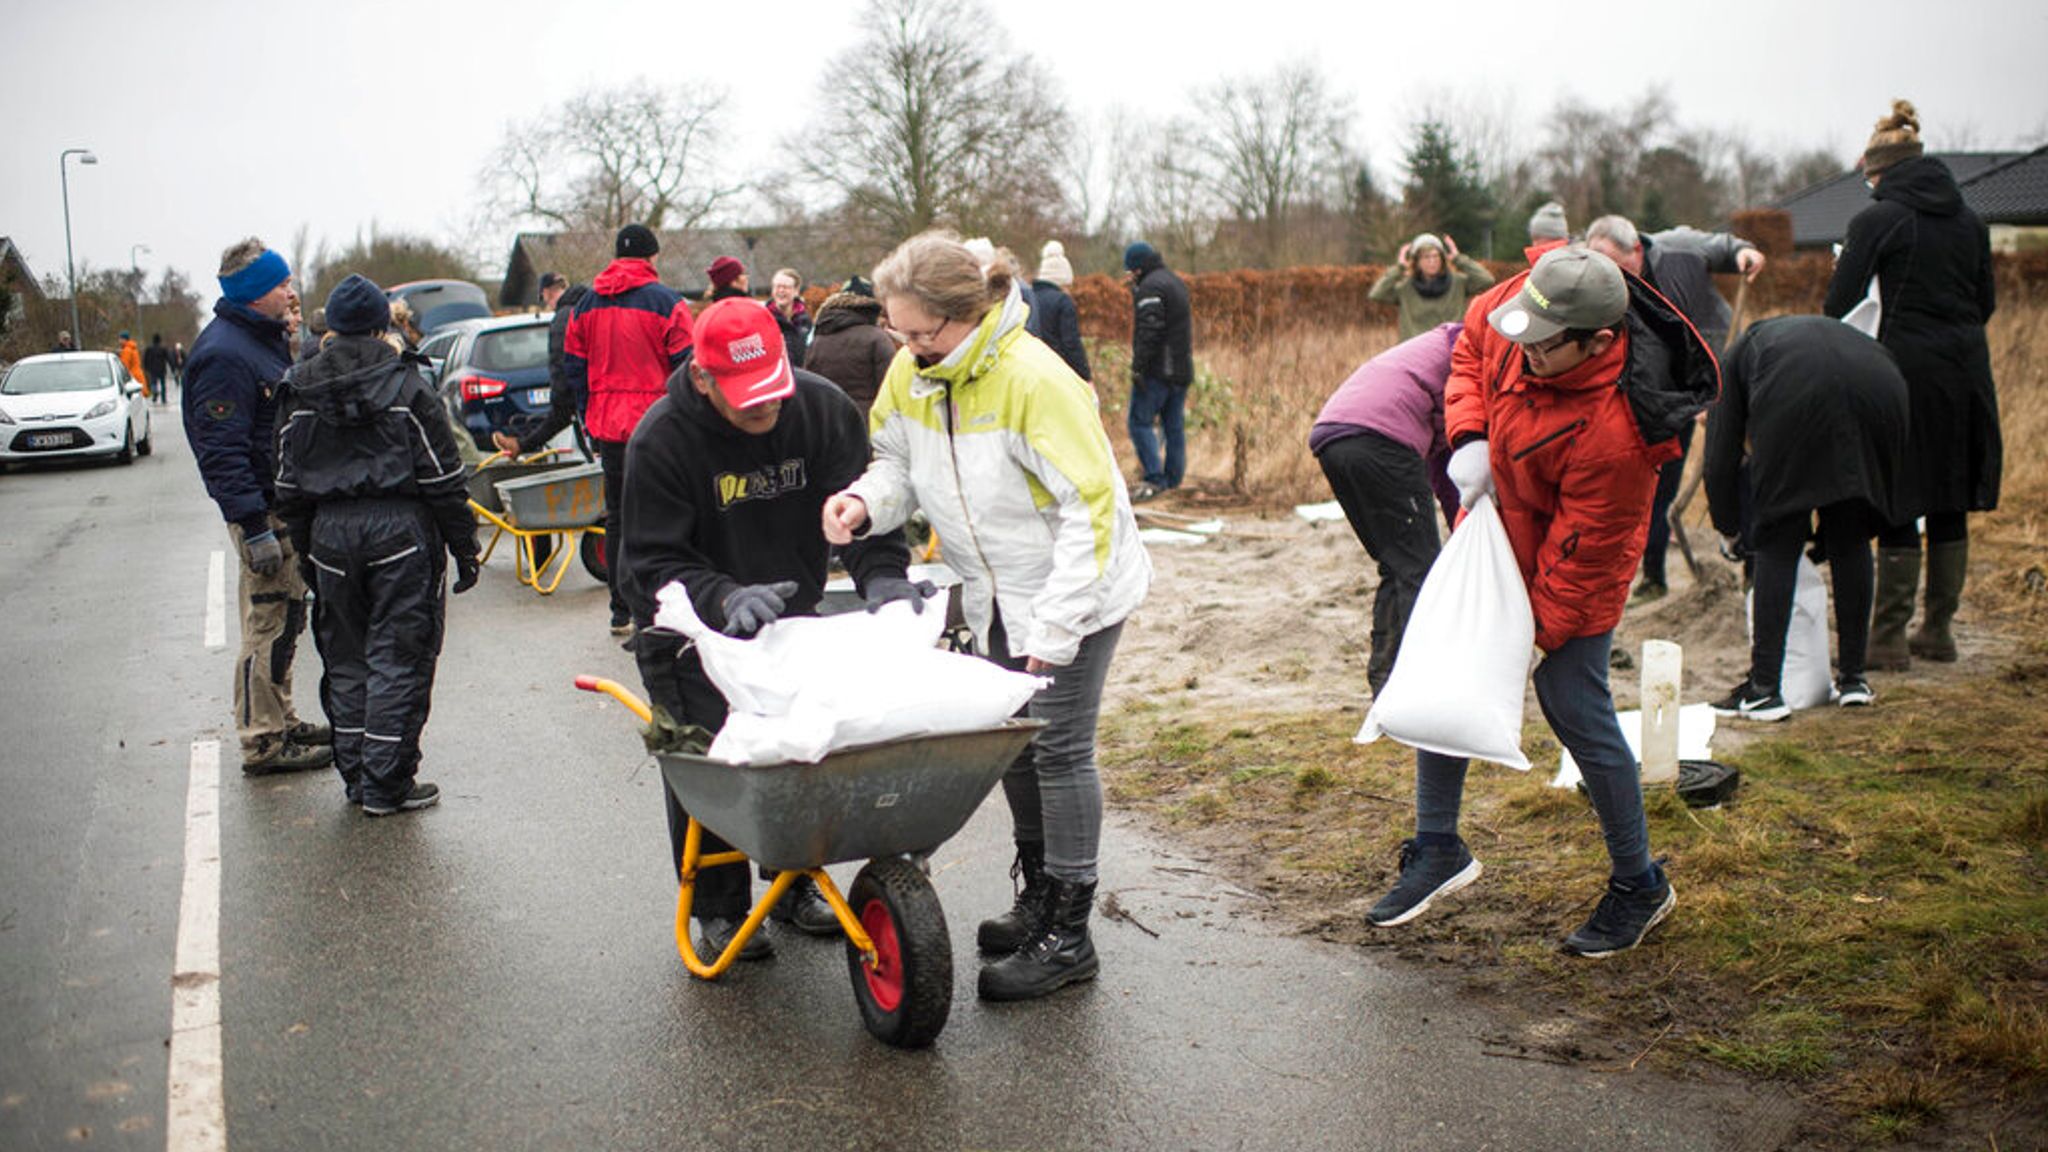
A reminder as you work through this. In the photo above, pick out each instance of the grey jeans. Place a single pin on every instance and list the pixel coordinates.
(1053, 788)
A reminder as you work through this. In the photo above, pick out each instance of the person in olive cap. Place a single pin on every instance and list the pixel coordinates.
(370, 490)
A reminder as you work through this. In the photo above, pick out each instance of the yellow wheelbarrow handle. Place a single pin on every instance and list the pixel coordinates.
(619, 692)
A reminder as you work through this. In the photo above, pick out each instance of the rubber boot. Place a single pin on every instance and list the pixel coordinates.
(1898, 580)
(1026, 918)
(1947, 566)
(1061, 955)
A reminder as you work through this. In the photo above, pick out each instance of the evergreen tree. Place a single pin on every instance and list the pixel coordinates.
(1445, 193)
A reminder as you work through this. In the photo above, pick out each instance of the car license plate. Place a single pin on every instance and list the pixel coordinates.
(50, 440)
(538, 396)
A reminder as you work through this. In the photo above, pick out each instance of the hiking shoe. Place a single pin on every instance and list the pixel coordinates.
(1426, 873)
(1648, 592)
(714, 936)
(1625, 915)
(1752, 703)
(309, 733)
(1854, 692)
(423, 795)
(804, 908)
(283, 754)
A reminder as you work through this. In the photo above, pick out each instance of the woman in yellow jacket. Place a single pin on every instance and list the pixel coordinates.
(989, 432)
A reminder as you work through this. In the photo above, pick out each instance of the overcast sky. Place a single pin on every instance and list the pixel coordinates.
(214, 120)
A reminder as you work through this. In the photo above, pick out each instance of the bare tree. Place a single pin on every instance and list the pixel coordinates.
(1275, 143)
(1173, 199)
(928, 120)
(614, 156)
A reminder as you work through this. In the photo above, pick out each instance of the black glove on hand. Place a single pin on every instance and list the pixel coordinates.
(266, 555)
(752, 607)
(883, 589)
(466, 569)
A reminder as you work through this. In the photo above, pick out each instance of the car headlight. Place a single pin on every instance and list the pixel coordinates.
(5, 418)
(103, 408)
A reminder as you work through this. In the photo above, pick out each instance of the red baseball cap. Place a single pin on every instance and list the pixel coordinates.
(740, 344)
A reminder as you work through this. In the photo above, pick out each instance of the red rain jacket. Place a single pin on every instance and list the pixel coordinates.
(627, 334)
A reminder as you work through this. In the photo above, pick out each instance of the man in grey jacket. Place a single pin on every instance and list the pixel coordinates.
(1680, 263)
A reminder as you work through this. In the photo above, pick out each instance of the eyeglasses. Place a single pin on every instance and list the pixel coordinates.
(1555, 343)
(917, 337)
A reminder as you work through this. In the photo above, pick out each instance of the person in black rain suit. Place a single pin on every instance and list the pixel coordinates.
(371, 491)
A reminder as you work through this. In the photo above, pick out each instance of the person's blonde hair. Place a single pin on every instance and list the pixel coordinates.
(792, 273)
(942, 275)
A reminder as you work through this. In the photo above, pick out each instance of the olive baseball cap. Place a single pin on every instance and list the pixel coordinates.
(1571, 287)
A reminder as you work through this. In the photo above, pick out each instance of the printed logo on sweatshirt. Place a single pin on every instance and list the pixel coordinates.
(760, 484)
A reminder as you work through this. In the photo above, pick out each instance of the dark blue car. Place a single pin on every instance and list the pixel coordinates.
(435, 304)
(494, 375)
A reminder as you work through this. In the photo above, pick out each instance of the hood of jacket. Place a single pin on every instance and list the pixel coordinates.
(843, 310)
(623, 275)
(977, 354)
(1923, 184)
(1672, 375)
(352, 379)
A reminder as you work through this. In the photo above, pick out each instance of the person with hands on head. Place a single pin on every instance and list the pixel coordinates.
(725, 480)
(1569, 385)
(371, 492)
(992, 436)
(1430, 281)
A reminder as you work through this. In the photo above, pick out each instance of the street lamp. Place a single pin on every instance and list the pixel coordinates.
(136, 270)
(85, 156)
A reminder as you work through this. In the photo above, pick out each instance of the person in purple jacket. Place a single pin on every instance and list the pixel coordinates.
(1380, 440)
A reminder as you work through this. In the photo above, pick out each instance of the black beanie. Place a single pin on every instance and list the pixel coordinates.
(636, 240)
(357, 307)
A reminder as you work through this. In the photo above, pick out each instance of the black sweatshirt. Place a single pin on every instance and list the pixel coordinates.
(717, 508)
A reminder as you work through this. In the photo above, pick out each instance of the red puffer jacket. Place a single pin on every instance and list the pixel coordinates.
(1575, 456)
(625, 337)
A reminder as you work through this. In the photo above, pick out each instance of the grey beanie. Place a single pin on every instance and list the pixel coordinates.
(1547, 223)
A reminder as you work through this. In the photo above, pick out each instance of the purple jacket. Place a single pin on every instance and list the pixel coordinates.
(1400, 395)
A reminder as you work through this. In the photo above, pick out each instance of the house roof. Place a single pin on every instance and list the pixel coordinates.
(2015, 192)
(1821, 212)
(685, 254)
(11, 260)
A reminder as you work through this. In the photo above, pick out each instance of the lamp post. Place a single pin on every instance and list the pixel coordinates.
(136, 269)
(85, 156)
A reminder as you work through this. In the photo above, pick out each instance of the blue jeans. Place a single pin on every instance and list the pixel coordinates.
(1155, 401)
(1571, 685)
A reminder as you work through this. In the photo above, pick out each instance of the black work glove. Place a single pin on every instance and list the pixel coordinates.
(883, 589)
(266, 555)
(752, 607)
(466, 569)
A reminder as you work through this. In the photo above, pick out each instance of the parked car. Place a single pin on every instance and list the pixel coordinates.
(436, 304)
(68, 404)
(494, 376)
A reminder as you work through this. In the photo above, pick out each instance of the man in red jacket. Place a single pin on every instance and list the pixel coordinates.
(1568, 387)
(627, 334)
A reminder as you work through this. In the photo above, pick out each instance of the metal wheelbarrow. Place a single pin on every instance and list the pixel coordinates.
(536, 500)
(888, 804)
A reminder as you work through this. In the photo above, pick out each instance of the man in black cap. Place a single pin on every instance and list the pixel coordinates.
(623, 340)
(371, 492)
(1162, 368)
(560, 297)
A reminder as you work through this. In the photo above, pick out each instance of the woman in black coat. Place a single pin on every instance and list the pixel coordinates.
(1059, 323)
(1931, 257)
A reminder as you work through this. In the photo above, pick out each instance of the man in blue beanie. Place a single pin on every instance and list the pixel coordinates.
(1162, 367)
(230, 410)
(370, 490)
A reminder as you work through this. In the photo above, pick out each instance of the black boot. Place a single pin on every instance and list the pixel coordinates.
(1026, 918)
(1061, 955)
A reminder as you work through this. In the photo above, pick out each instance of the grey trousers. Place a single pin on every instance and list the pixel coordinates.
(1053, 788)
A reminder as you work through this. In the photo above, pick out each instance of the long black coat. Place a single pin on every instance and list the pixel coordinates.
(1932, 259)
(1060, 325)
(1818, 410)
(849, 348)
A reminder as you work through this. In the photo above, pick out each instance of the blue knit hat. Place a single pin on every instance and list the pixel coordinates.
(357, 307)
(1138, 255)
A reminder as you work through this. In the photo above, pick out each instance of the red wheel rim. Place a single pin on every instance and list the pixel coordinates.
(885, 975)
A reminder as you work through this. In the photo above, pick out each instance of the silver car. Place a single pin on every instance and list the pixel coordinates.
(70, 404)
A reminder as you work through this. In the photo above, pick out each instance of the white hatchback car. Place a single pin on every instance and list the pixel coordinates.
(69, 404)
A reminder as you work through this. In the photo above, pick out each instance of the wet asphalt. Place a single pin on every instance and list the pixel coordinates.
(499, 972)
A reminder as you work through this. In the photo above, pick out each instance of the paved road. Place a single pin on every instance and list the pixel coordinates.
(499, 973)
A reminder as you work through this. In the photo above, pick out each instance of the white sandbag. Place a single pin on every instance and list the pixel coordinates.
(1458, 684)
(1805, 680)
(1695, 740)
(809, 685)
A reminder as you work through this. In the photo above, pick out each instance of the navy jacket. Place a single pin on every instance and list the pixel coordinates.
(230, 408)
(1162, 331)
(1060, 325)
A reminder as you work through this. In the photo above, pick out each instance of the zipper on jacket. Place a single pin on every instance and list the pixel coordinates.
(1567, 430)
(973, 537)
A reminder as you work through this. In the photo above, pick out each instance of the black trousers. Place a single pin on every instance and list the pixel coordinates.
(611, 455)
(378, 616)
(1383, 487)
(676, 683)
(1658, 542)
(1845, 532)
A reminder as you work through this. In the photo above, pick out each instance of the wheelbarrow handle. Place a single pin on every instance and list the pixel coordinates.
(619, 692)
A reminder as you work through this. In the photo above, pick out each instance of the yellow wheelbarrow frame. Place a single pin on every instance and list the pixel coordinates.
(526, 567)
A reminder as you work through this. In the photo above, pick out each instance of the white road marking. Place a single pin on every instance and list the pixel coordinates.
(217, 601)
(198, 1119)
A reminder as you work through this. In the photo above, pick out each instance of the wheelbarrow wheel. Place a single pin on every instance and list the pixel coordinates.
(592, 551)
(906, 995)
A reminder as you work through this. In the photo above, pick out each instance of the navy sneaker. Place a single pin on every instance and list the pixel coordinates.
(1854, 692)
(1426, 873)
(1752, 703)
(1625, 915)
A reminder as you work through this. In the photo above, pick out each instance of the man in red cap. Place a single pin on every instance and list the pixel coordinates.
(623, 340)
(726, 481)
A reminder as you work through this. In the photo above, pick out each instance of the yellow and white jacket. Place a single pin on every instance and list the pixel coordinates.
(1002, 447)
